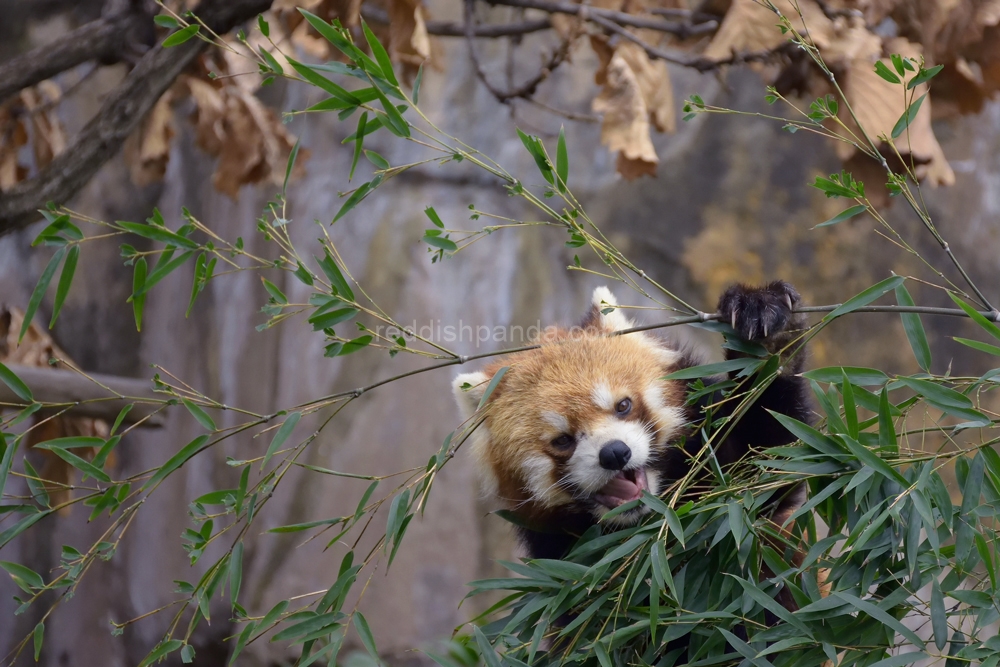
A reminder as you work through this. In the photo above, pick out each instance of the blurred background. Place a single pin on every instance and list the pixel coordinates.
(696, 204)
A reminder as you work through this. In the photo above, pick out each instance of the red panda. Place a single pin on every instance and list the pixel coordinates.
(586, 422)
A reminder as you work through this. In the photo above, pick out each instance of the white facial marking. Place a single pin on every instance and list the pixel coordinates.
(540, 484)
(602, 396)
(584, 467)
(479, 441)
(556, 421)
(669, 418)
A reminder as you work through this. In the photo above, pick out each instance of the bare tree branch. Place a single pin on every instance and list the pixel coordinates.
(528, 88)
(120, 114)
(621, 18)
(104, 39)
(699, 63)
(451, 29)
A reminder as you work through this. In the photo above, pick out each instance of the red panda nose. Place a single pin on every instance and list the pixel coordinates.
(614, 455)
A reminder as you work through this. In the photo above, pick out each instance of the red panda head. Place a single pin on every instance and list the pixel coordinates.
(577, 425)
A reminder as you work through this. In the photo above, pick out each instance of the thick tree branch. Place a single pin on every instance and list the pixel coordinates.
(86, 396)
(104, 39)
(121, 113)
(452, 29)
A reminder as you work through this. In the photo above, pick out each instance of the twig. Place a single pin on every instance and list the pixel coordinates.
(452, 29)
(679, 29)
(699, 63)
(673, 322)
(528, 88)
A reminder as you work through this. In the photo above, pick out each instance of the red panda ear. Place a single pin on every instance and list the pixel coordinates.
(469, 389)
(612, 320)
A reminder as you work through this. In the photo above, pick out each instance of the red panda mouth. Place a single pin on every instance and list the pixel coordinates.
(624, 487)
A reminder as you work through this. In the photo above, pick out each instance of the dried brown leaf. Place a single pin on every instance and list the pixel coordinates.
(878, 104)
(13, 135)
(653, 78)
(147, 150)
(749, 27)
(409, 43)
(625, 128)
(48, 138)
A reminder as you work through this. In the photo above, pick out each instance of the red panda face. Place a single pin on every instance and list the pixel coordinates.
(576, 425)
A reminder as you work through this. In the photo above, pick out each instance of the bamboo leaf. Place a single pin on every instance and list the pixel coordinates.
(907, 118)
(65, 281)
(914, 330)
(9, 378)
(181, 36)
(281, 436)
(176, 461)
(562, 160)
(865, 297)
(843, 215)
(200, 415)
(39, 292)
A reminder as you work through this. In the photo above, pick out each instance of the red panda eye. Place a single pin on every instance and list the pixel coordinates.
(624, 406)
(564, 441)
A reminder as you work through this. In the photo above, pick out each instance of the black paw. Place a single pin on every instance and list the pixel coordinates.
(759, 313)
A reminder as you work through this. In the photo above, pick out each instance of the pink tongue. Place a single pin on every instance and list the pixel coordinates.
(621, 488)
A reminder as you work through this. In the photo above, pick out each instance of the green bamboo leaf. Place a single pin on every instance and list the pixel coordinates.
(243, 639)
(946, 399)
(397, 124)
(187, 654)
(320, 81)
(416, 85)
(281, 436)
(199, 414)
(157, 233)
(336, 278)
(487, 651)
(914, 330)
(562, 160)
(867, 296)
(908, 116)
(991, 328)
(21, 526)
(290, 165)
(900, 660)
(434, 217)
(39, 292)
(176, 461)
(850, 408)
(534, 146)
(843, 215)
(923, 76)
(883, 71)
(161, 651)
(65, 280)
(271, 61)
(354, 200)
(707, 370)
(354, 345)
(976, 345)
(881, 616)
(80, 464)
(886, 429)
(35, 484)
(494, 381)
(359, 143)
(138, 295)
(365, 633)
(441, 242)
(23, 576)
(939, 619)
(9, 378)
(865, 377)
(381, 56)
(38, 637)
(872, 460)
(7, 450)
(181, 36)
